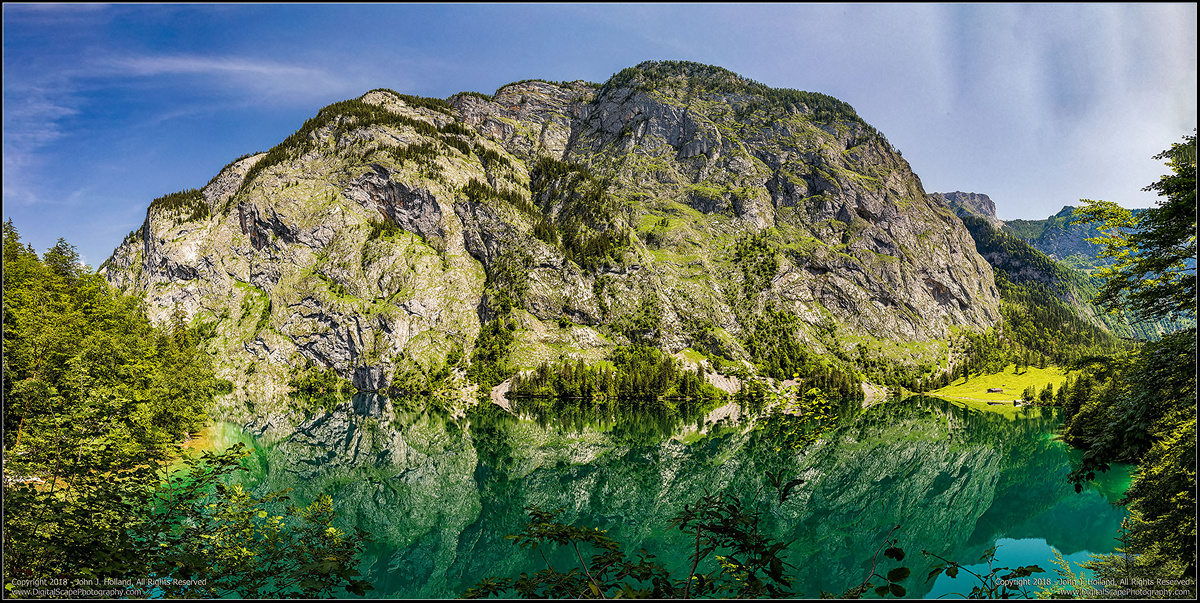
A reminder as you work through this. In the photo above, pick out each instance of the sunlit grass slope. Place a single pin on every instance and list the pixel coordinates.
(974, 392)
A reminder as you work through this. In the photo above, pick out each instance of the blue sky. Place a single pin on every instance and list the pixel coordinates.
(109, 106)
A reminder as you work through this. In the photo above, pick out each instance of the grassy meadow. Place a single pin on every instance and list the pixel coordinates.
(973, 392)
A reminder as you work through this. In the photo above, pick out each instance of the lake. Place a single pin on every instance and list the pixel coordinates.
(439, 493)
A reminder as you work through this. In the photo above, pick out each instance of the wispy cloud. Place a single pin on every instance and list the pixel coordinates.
(234, 76)
(37, 104)
(237, 74)
(34, 119)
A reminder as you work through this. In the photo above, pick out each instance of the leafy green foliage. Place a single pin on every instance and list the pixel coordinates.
(1035, 320)
(479, 192)
(95, 401)
(384, 228)
(586, 224)
(423, 102)
(774, 348)
(507, 281)
(731, 558)
(642, 327)
(892, 580)
(72, 344)
(794, 421)
(993, 584)
(1142, 407)
(758, 264)
(423, 155)
(348, 115)
(217, 540)
(412, 378)
(320, 387)
(700, 78)
(608, 573)
(1118, 570)
(1049, 292)
(227, 166)
(479, 95)
(751, 566)
(1152, 274)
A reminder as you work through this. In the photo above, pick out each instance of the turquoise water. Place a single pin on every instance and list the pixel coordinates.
(439, 494)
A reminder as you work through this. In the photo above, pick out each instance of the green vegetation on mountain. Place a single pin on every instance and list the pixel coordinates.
(700, 78)
(670, 207)
(1041, 293)
(490, 364)
(1058, 236)
(636, 372)
(189, 205)
(1073, 244)
(96, 402)
(318, 388)
(574, 241)
(345, 116)
(777, 353)
(586, 224)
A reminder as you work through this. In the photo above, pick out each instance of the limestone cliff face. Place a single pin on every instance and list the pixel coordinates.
(378, 238)
(974, 204)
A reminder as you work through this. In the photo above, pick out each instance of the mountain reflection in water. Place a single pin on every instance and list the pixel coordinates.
(438, 493)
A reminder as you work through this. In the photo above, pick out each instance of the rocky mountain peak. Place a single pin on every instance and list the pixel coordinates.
(975, 204)
(676, 205)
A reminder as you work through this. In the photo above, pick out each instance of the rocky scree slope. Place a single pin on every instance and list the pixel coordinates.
(669, 206)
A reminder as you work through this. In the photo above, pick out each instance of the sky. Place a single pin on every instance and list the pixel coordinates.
(106, 107)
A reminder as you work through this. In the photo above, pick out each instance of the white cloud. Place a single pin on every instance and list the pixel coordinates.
(36, 102)
(263, 79)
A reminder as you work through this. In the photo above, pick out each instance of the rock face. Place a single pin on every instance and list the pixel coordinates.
(383, 235)
(975, 204)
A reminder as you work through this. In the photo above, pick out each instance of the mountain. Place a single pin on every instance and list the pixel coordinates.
(1059, 239)
(1067, 244)
(1054, 236)
(1027, 277)
(971, 204)
(677, 205)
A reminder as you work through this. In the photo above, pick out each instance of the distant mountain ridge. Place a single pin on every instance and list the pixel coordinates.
(1058, 238)
(1054, 236)
(1023, 264)
(1067, 268)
